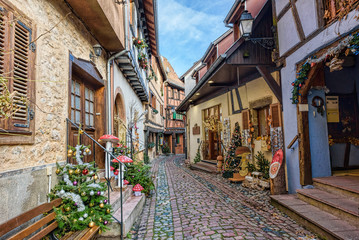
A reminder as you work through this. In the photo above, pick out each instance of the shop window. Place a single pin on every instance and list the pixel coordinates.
(17, 67)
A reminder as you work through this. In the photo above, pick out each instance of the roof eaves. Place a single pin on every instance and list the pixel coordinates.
(235, 5)
(202, 81)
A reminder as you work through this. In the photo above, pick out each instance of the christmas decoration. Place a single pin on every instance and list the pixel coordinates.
(77, 192)
(231, 161)
(137, 189)
(349, 44)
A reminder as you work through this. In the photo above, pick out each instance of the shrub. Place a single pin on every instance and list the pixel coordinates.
(263, 164)
(146, 159)
(166, 149)
(140, 173)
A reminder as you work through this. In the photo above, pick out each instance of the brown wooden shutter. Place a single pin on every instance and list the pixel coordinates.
(3, 49)
(275, 112)
(245, 119)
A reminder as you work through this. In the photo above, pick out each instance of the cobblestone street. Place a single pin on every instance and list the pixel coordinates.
(196, 205)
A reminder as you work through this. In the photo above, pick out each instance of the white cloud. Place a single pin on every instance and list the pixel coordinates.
(185, 33)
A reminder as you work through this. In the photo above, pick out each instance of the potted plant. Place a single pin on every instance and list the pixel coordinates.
(151, 145)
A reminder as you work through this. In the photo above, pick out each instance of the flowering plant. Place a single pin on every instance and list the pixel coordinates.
(139, 43)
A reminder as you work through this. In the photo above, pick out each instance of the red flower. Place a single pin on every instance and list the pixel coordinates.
(115, 172)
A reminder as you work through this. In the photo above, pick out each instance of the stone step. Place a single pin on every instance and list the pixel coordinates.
(338, 205)
(206, 167)
(213, 162)
(132, 209)
(115, 197)
(326, 225)
(342, 185)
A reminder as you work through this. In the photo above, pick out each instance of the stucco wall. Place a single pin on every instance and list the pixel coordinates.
(189, 82)
(288, 74)
(252, 91)
(130, 98)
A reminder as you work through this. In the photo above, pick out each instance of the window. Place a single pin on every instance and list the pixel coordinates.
(262, 118)
(82, 104)
(177, 116)
(17, 54)
(161, 110)
(153, 101)
(178, 139)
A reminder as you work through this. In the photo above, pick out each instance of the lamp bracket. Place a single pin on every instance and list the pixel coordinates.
(267, 42)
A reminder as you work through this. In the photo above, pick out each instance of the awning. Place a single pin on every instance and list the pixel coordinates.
(233, 69)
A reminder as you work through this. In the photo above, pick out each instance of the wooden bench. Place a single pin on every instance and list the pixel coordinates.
(41, 227)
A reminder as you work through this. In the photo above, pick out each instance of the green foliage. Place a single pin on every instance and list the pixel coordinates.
(146, 159)
(151, 145)
(166, 149)
(263, 164)
(122, 149)
(231, 161)
(139, 173)
(198, 156)
(78, 189)
(251, 167)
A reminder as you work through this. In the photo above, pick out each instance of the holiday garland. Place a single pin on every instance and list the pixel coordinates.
(350, 43)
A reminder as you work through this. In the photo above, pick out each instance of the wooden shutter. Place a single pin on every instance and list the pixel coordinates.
(275, 112)
(245, 119)
(3, 48)
(21, 71)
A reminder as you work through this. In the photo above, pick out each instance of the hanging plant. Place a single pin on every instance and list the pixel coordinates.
(349, 44)
(139, 43)
(142, 60)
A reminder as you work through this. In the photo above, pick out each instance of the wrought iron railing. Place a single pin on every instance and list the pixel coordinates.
(110, 156)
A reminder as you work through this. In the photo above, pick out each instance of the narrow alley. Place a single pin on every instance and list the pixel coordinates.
(196, 205)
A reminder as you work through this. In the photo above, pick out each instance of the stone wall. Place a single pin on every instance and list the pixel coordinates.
(52, 77)
(23, 174)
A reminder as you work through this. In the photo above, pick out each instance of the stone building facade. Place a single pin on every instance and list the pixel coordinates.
(27, 159)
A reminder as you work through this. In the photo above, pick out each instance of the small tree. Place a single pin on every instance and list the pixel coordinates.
(231, 161)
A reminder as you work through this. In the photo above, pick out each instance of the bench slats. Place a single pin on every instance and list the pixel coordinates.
(44, 231)
(32, 228)
(91, 233)
(23, 218)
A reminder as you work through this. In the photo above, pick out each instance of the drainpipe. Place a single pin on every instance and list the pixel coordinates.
(109, 94)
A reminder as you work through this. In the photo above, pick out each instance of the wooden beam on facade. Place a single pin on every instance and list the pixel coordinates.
(273, 85)
(305, 165)
(297, 21)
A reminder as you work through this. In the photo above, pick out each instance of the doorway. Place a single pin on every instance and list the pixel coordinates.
(211, 148)
(86, 108)
(342, 115)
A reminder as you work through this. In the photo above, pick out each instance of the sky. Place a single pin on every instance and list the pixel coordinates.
(187, 27)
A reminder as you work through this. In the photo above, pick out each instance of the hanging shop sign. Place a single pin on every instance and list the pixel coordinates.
(196, 130)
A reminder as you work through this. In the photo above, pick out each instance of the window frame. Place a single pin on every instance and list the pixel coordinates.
(19, 131)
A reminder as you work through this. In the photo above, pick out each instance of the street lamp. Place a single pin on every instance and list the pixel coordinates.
(246, 24)
(245, 27)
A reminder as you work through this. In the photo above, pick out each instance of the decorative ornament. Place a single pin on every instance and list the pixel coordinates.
(87, 150)
(91, 224)
(70, 152)
(91, 204)
(81, 219)
(62, 191)
(92, 193)
(75, 183)
(100, 219)
(71, 171)
(74, 221)
(86, 215)
(85, 172)
(99, 193)
(105, 201)
(91, 212)
(67, 209)
(74, 153)
(105, 222)
(102, 205)
(335, 64)
(58, 171)
(83, 194)
(75, 204)
(95, 177)
(108, 210)
(77, 171)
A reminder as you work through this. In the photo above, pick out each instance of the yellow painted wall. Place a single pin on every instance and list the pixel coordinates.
(254, 90)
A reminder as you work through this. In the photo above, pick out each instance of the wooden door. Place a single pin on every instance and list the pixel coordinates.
(82, 111)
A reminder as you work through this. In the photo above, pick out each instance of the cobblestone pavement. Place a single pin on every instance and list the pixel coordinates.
(196, 205)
